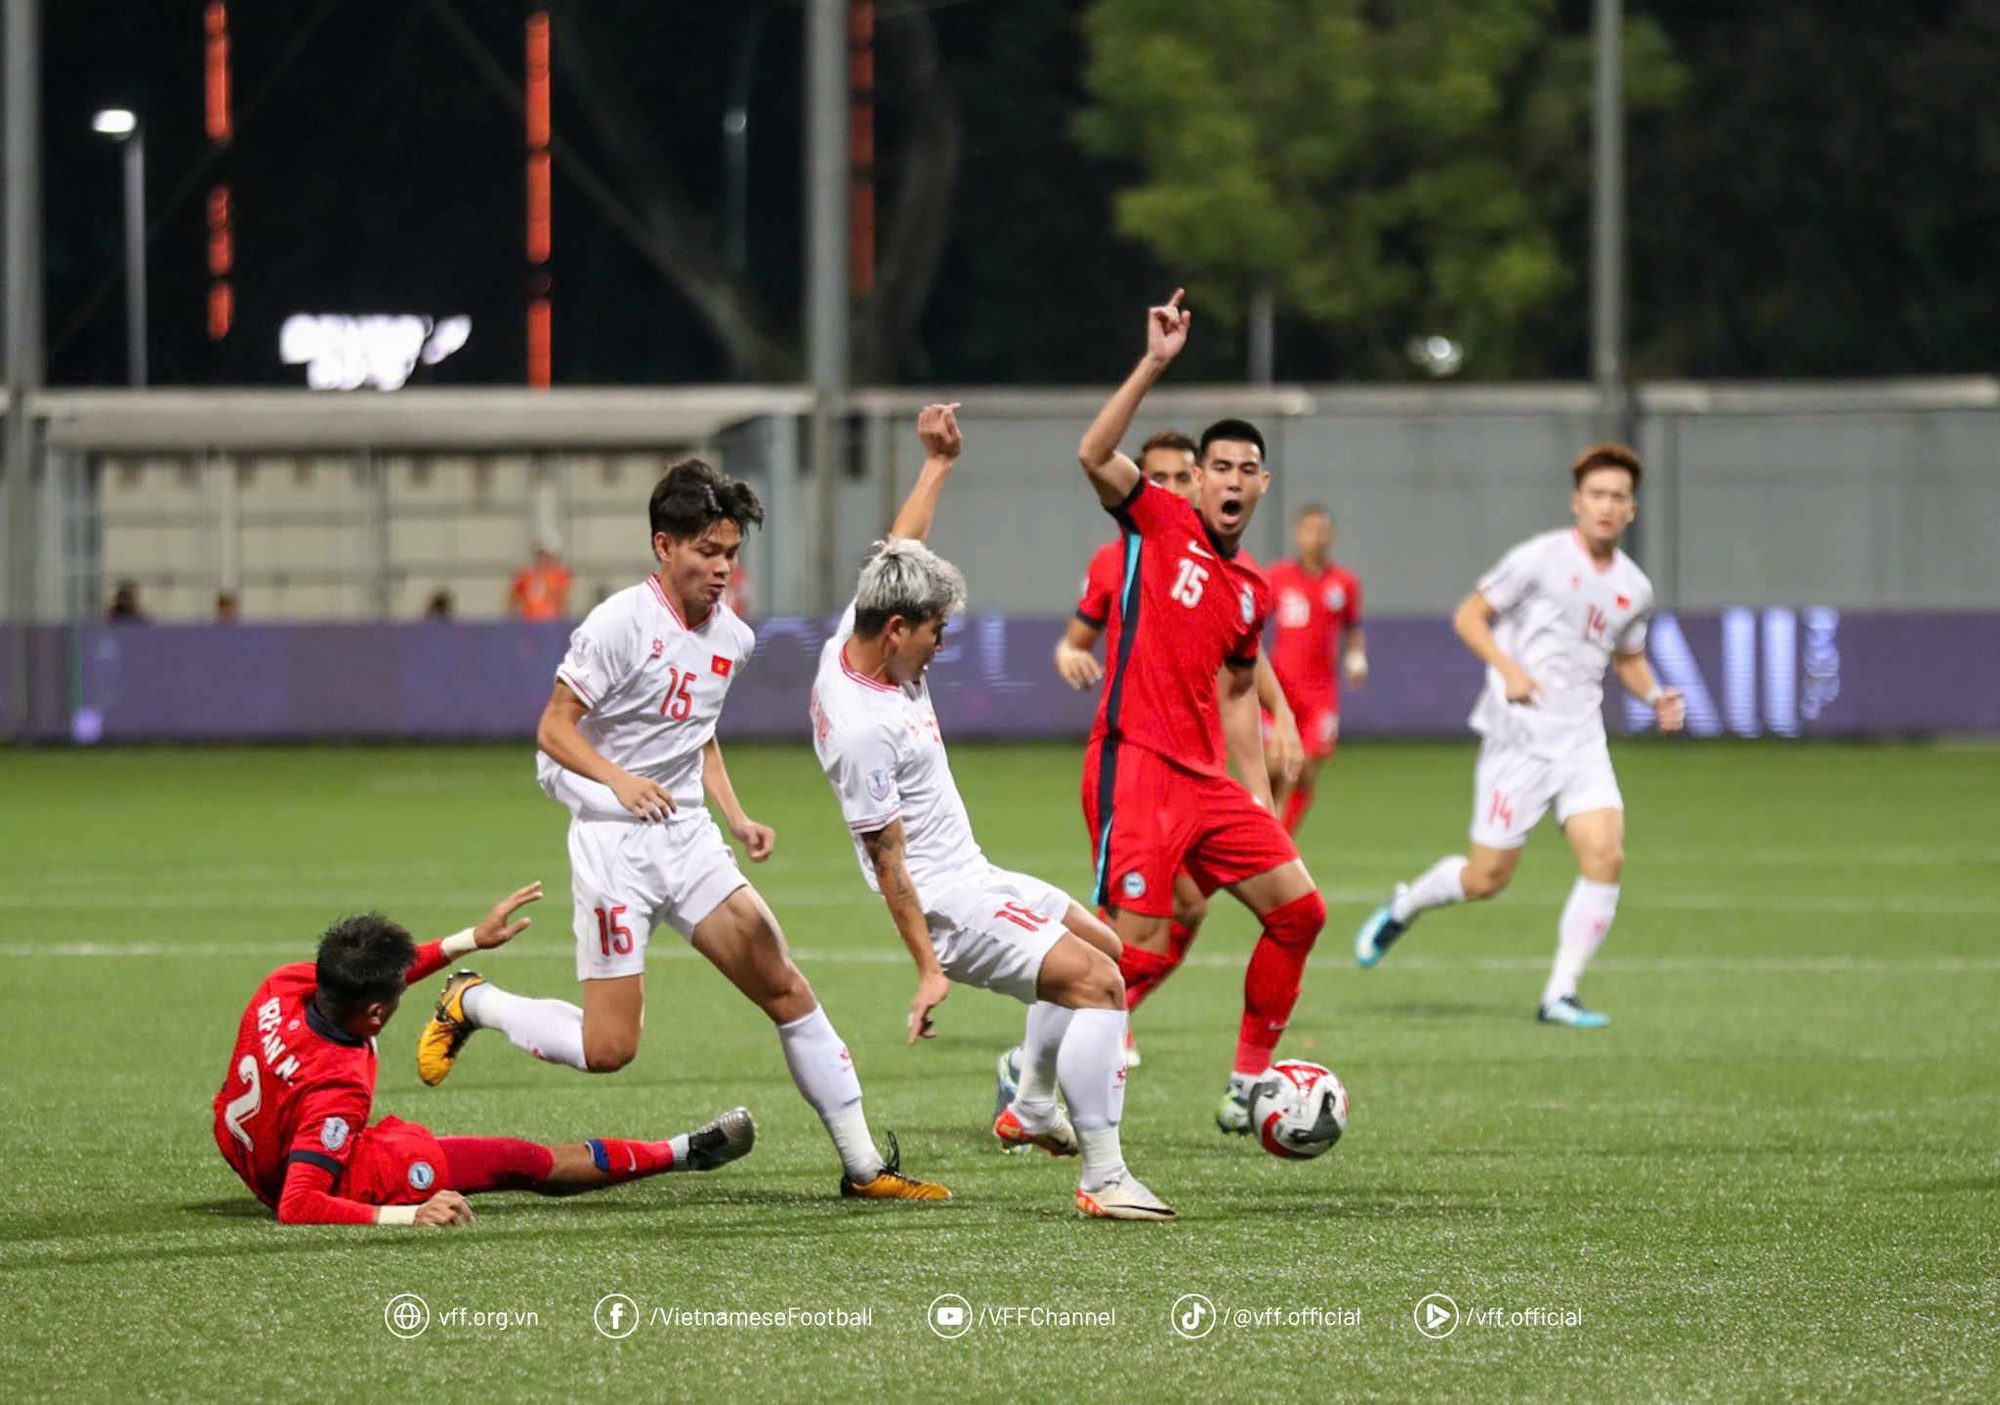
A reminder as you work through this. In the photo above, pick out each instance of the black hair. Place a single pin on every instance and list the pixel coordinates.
(362, 960)
(1239, 430)
(692, 497)
(1313, 509)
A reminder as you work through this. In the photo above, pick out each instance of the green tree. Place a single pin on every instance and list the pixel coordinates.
(1387, 167)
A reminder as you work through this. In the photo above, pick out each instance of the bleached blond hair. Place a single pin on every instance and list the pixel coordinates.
(905, 577)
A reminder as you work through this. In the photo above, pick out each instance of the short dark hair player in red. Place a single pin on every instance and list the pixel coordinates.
(291, 1118)
(1181, 649)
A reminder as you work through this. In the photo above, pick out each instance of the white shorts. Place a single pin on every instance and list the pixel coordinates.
(628, 876)
(994, 931)
(1512, 789)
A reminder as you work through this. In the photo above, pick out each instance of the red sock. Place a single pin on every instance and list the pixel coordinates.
(494, 1163)
(1296, 805)
(628, 1161)
(1179, 939)
(1271, 983)
(1142, 971)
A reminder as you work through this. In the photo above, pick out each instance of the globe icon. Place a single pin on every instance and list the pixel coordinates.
(407, 1315)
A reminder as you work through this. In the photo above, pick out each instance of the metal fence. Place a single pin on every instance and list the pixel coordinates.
(350, 508)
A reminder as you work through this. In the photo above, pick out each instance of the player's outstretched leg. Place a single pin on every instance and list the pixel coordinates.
(1452, 879)
(550, 1030)
(1300, 800)
(742, 940)
(1292, 913)
(1598, 836)
(1144, 971)
(480, 1164)
(1080, 980)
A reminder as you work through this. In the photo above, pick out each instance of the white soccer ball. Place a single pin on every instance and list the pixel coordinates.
(1298, 1110)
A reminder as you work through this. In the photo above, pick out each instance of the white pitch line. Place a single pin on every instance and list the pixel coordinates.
(841, 897)
(1232, 960)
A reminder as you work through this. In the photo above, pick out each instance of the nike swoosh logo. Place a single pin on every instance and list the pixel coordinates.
(1195, 547)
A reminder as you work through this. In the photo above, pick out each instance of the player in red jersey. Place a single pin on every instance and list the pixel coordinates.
(291, 1118)
(1315, 602)
(1156, 793)
(1168, 461)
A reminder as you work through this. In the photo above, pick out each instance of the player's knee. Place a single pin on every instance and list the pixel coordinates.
(1480, 881)
(608, 1055)
(1299, 922)
(1604, 863)
(1100, 987)
(1190, 909)
(788, 996)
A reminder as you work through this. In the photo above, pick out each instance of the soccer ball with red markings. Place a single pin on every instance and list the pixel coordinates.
(1299, 1110)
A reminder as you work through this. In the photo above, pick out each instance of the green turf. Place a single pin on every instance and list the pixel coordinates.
(1774, 1176)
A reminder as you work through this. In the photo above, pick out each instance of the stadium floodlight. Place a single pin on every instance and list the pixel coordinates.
(122, 125)
(1435, 355)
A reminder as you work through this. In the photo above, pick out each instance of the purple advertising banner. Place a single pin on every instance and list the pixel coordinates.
(1765, 672)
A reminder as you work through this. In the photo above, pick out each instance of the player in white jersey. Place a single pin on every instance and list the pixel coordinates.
(1546, 622)
(962, 918)
(628, 746)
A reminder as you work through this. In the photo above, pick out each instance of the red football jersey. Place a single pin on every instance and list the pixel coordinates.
(1185, 606)
(1311, 610)
(299, 1088)
(1101, 584)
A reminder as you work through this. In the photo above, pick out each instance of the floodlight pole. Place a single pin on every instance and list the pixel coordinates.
(1607, 271)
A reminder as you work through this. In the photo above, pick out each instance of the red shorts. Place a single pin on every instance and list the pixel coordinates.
(395, 1163)
(1149, 819)
(1319, 727)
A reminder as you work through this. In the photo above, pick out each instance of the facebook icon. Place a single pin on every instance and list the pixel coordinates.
(616, 1316)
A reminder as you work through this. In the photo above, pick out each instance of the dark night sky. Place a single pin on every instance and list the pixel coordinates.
(1813, 208)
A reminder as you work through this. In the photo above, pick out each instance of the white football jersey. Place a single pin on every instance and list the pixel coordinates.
(653, 687)
(1561, 616)
(880, 746)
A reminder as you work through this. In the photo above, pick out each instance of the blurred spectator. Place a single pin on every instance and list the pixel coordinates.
(541, 591)
(125, 605)
(440, 607)
(225, 607)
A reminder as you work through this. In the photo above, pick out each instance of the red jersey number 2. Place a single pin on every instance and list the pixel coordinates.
(678, 702)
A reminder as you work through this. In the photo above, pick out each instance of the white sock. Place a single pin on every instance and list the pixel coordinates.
(1586, 918)
(824, 1073)
(1436, 886)
(679, 1147)
(551, 1030)
(1092, 1070)
(1035, 1103)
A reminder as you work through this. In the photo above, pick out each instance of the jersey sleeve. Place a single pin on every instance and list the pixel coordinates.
(430, 960)
(600, 658)
(1632, 638)
(308, 1198)
(330, 1118)
(1149, 510)
(862, 767)
(1510, 581)
(1243, 653)
(1093, 607)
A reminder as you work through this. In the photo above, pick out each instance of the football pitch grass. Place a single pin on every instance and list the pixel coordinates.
(1777, 1175)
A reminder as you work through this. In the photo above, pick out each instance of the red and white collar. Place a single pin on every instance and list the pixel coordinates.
(1603, 568)
(863, 679)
